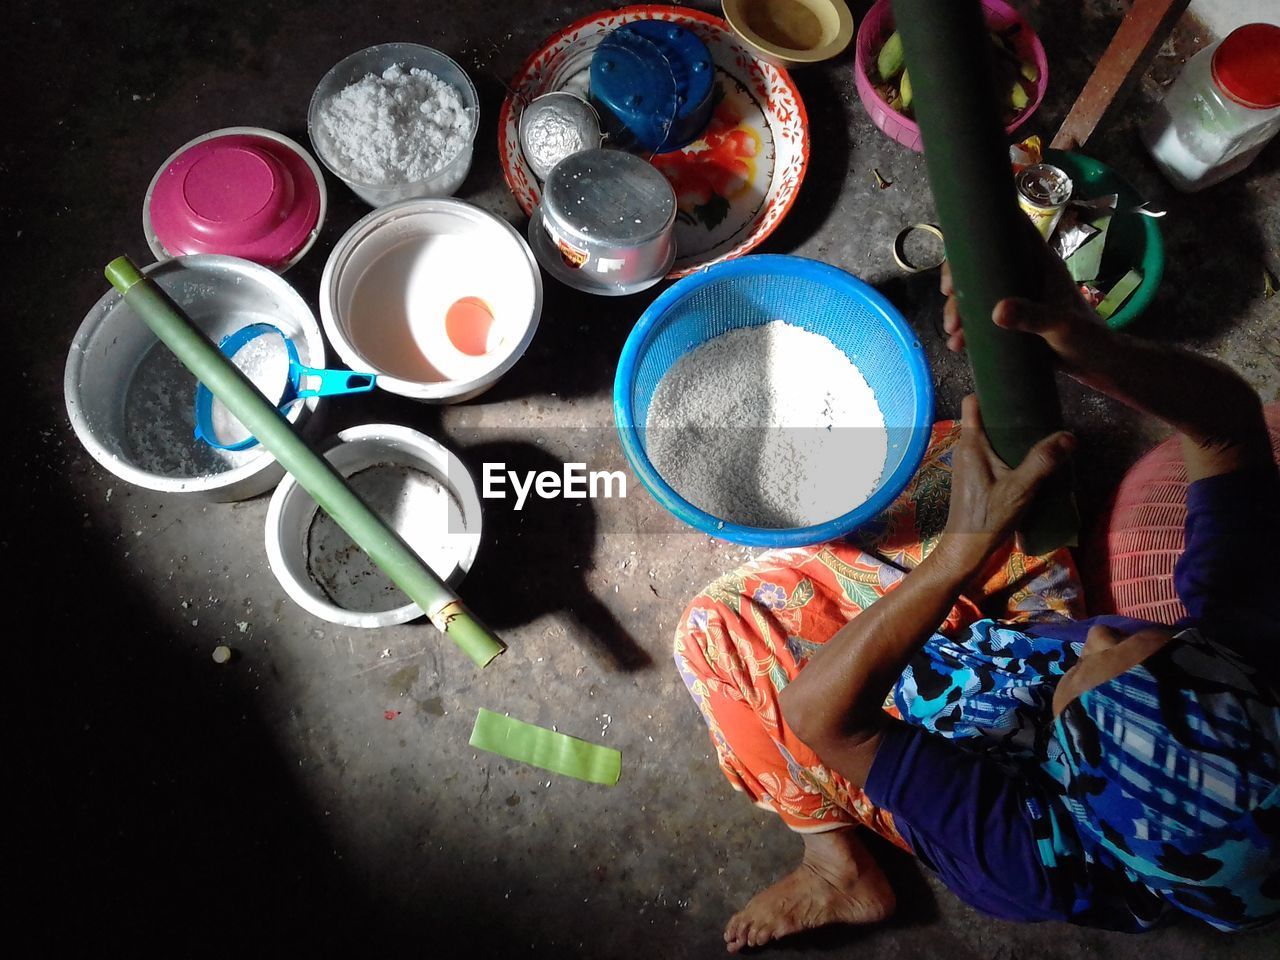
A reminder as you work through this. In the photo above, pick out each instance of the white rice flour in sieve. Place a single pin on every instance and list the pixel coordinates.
(401, 127)
(417, 506)
(265, 361)
(768, 426)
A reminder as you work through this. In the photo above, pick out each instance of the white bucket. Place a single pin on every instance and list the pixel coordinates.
(393, 286)
(131, 401)
(420, 488)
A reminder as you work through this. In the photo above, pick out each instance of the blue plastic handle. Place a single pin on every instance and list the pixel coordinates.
(331, 383)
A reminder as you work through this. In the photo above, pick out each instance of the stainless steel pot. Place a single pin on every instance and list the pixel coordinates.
(132, 403)
(606, 223)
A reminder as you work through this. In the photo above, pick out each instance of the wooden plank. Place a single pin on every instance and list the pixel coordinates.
(1142, 32)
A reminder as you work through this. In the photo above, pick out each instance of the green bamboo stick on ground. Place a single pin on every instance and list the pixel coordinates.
(313, 472)
(967, 155)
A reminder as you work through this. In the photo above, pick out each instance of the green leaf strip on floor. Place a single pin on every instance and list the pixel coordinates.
(557, 752)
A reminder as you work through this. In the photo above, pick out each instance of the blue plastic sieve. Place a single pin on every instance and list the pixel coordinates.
(325, 383)
(756, 290)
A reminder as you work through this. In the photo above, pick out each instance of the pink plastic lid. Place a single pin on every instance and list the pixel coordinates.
(241, 194)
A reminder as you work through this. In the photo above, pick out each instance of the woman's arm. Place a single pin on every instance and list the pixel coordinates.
(1216, 411)
(835, 704)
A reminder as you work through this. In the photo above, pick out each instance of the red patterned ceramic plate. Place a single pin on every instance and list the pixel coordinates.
(736, 183)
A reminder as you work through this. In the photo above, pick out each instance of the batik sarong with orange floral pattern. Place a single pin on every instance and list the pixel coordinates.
(745, 636)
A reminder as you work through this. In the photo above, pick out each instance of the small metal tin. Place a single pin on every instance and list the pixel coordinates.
(554, 126)
(1043, 192)
(606, 223)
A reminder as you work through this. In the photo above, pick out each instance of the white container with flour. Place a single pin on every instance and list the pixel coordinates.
(396, 121)
(1221, 111)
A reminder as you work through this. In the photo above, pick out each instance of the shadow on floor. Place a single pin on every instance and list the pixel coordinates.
(576, 348)
(533, 561)
(378, 406)
(1208, 286)
(154, 810)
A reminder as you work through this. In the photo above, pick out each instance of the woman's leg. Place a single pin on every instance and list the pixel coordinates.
(837, 881)
(738, 645)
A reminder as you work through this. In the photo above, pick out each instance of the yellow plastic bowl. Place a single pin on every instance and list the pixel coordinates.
(791, 33)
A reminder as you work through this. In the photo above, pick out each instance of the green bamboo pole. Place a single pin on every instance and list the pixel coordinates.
(313, 472)
(948, 55)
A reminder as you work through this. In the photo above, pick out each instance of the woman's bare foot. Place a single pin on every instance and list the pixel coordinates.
(837, 882)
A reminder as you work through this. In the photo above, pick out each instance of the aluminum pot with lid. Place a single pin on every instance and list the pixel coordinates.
(606, 223)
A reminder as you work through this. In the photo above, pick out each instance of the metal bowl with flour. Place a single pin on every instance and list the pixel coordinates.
(131, 402)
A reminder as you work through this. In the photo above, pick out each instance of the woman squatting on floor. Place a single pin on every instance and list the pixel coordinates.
(932, 683)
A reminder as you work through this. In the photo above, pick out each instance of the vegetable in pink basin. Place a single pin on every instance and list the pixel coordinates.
(241, 191)
(876, 27)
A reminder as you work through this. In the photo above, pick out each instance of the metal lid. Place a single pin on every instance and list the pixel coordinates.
(1044, 184)
(554, 126)
(244, 192)
(608, 198)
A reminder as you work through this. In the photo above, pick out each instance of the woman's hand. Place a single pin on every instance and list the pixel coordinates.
(988, 497)
(835, 704)
(1062, 317)
(1218, 412)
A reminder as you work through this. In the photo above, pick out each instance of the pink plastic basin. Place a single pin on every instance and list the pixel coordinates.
(876, 27)
(1128, 560)
(243, 192)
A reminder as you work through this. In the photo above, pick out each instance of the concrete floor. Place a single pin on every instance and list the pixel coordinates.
(171, 803)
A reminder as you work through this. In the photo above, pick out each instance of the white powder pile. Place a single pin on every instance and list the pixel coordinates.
(265, 361)
(402, 127)
(768, 426)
